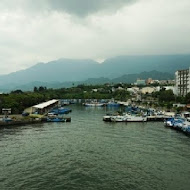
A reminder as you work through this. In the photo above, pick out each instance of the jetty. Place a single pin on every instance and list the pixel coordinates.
(35, 114)
(157, 118)
(17, 122)
(27, 121)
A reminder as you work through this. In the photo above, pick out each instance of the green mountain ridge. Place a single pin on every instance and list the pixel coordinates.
(130, 78)
(76, 70)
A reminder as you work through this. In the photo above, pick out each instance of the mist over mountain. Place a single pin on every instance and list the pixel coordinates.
(59, 70)
(128, 78)
(68, 70)
(131, 78)
(136, 64)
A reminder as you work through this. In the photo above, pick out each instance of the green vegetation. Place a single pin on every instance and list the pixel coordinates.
(18, 100)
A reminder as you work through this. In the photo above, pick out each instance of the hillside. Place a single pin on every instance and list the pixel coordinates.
(156, 75)
(130, 78)
(69, 70)
(136, 64)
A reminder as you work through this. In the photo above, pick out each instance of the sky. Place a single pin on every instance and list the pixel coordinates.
(45, 30)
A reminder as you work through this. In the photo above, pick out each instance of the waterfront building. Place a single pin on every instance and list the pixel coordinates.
(149, 81)
(133, 90)
(167, 82)
(45, 106)
(182, 80)
(148, 90)
(140, 82)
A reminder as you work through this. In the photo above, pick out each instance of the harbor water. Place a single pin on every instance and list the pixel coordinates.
(91, 154)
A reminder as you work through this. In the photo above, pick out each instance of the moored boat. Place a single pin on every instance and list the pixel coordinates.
(94, 104)
(61, 110)
(180, 124)
(124, 118)
(112, 104)
(56, 119)
(135, 118)
(119, 118)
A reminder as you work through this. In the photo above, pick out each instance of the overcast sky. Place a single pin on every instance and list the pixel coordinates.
(44, 30)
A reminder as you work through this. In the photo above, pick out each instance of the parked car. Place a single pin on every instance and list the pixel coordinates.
(25, 114)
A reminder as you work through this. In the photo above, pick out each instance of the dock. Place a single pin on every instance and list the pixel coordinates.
(16, 123)
(157, 118)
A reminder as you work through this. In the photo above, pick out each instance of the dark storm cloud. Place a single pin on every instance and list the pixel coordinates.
(90, 29)
(79, 8)
(86, 7)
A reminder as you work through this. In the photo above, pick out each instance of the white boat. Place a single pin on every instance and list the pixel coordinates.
(94, 104)
(135, 118)
(124, 118)
(110, 116)
(119, 118)
(107, 117)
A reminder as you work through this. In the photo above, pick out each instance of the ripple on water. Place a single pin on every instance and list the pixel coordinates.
(91, 154)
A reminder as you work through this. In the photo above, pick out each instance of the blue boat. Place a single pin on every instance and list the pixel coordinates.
(180, 124)
(56, 119)
(112, 104)
(61, 110)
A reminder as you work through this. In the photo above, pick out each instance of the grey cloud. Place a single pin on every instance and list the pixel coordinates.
(73, 7)
(86, 7)
(29, 30)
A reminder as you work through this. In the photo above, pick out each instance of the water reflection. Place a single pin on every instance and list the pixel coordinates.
(91, 154)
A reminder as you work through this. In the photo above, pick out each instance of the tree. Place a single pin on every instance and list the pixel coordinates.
(166, 96)
(17, 92)
(187, 98)
(35, 89)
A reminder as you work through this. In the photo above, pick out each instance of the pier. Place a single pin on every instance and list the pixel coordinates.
(17, 120)
(157, 118)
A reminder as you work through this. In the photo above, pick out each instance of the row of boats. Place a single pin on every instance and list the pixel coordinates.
(101, 104)
(125, 117)
(57, 115)
(180, 124)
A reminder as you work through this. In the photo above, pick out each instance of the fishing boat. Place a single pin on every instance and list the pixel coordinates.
(112, 104)
(56, 119)
(124, 118)
(169, 122)
(61, 110)
(180, 124)
(186, 127)
(119, 118)
(94, 104)
(135, 118)
(107, 117)
(110, 116)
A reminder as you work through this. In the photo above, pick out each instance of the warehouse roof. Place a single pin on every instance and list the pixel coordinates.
(45, 104)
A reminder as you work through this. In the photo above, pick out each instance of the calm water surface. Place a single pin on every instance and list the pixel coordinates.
(91, 154)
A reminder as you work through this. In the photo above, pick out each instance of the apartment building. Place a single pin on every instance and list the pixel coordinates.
(182, 80)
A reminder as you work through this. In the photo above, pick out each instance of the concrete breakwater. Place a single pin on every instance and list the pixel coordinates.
(17, 120)
(147, 119)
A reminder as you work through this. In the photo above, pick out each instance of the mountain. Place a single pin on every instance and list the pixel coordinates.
(130, 78)
(60, 70)
(69, 70)
(156, 75)
(136, 64)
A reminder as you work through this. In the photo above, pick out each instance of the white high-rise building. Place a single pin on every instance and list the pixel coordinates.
(182, 79)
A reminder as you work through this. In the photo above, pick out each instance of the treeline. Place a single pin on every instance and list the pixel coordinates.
(18, 100)
(166, 98)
